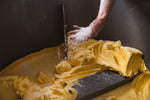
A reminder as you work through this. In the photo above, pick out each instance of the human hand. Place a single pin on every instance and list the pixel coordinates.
(84, 33)
(80, 33)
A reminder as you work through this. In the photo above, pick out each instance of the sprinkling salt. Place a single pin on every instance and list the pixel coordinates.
(82, 35)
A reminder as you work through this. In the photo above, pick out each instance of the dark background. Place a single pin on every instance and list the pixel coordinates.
(27, 26)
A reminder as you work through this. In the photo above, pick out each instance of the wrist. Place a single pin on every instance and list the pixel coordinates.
(97, 25)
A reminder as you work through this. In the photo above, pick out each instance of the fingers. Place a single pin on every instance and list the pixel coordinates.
(76, 27)
(72, 37)
(72, 32)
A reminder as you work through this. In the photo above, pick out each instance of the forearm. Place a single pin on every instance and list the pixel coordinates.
(96, 26)
(104, 10)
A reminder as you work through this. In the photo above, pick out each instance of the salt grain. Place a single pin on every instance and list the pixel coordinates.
(82, 35)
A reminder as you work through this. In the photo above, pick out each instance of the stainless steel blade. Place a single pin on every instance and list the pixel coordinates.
(65, 33)
(100, 83)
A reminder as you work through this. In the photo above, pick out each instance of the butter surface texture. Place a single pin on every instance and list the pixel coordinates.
(43, 76)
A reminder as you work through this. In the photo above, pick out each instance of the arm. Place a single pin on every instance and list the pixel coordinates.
(104, 10)
(96, 26)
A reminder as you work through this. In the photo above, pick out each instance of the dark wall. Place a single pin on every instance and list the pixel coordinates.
(27, 26)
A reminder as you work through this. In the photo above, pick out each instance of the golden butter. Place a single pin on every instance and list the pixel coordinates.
(84, 59)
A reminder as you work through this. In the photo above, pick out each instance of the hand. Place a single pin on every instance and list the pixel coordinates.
(84, 33)
(80, 33)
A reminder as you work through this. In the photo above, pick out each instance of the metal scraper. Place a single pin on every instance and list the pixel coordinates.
(65, 33)
(100, 83)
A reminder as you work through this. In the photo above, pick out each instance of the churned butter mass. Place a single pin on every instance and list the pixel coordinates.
(52, 79)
